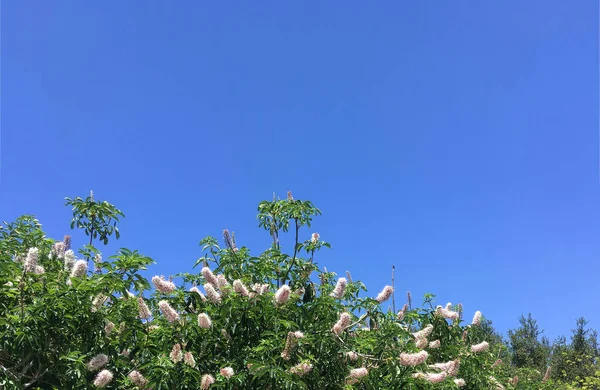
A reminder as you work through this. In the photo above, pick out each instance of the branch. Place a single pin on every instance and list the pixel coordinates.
(295, 253)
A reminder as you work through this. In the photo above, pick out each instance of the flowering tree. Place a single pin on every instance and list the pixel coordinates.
(275, 320)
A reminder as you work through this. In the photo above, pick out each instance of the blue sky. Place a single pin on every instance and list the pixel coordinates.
(457, 140)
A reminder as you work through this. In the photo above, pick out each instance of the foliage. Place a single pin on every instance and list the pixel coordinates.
(274, 320)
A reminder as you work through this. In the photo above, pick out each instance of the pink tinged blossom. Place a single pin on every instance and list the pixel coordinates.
(125, 352)
(343, 323)
(353, 356)
(162, 285)
(222, 282)
(424, 333)
(97, 362)
(385, 294)
(315, 237)
(477, 318)
(176, 354)
(188, 359)
(31, 261)
(513, 382)
(197, 291)
(209, 276)
(496, 363)
(227, 372)
(239, 288)
(282, 295)
(137, 379)
(204, 321)
(206, 381)
(39, 270)
(450, 368)
(103, 378)
(460, 382)
(98, 263)
(108, 328)
(421, 343)
(413, 359)
(345, 319)
(358, 373)
(58, 250)
(289, 344)
(337, 329)
(301, 369)
(446, 313)
(144, 311)
(476, 348)
(298, 334)
(435, 344)
(69, 260)
(168, 311)
(402, 313)
(98, 301)
(212, 294)
(435, 378)
(340, 288)
(79, 269)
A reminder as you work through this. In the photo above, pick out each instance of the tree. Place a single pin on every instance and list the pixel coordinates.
(274, 320)
(528, 350)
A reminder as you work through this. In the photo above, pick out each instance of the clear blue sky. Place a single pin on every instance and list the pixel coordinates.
(457, 140)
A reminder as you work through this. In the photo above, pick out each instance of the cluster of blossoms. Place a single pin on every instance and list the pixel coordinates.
(98, 301)
(385, 294)
(340, 287)
(353, 356)
(240, 288)
(260, 289)
(290, 342)
(204, 321)
(103, 378)
(421, 336)
(79, 269)
(209, 276)
(176, 353)
(431, 377)
(97, 362)
(212, 294)
(342, 323)
(450, 368)
(402, 312)
(282, 295)
(167, 310)
(162, 285)
(138, 379)
(443, 370)
(206, 381)
(69, 260)
(413, 359)
(31, 262)
(356, 374)
(301, 369)
(476, 348)
(447, 312)
(227, 372)
(476, 318)
(144, 311)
